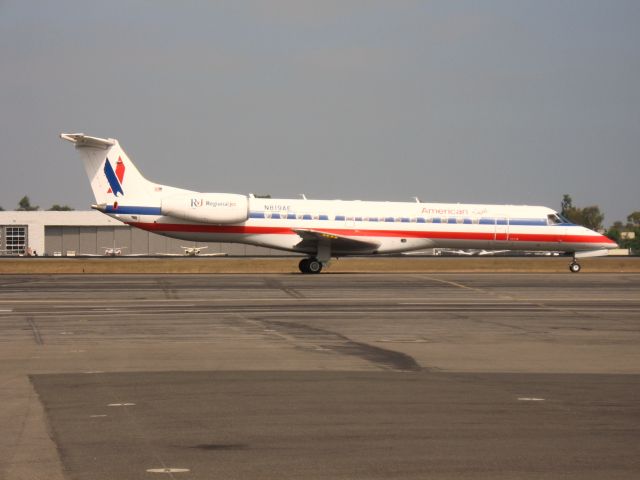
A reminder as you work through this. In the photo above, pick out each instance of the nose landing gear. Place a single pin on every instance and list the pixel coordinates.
(574, 267)
(310, 265)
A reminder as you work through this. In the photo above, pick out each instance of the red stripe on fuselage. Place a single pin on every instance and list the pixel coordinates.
(486, 236)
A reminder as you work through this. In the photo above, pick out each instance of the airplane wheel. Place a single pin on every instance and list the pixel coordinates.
(314, 266)
(304, 265)
(574, 267)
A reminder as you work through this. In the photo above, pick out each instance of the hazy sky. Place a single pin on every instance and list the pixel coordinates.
(484, 102)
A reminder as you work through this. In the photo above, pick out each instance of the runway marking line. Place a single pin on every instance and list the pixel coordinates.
(487, 303)
(123, 303)
(167, 470)
(455, 284)
(531, 399)
(502, 296)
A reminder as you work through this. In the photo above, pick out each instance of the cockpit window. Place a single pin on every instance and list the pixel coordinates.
(553, 219)
(556, 219)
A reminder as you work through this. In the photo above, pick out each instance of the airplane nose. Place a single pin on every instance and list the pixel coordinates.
(598, 240)
(607, 242)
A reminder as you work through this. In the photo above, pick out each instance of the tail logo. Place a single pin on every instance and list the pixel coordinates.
(116, 177)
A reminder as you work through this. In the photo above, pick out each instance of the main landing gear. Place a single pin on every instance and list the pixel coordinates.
(574, 266)
(310, 265)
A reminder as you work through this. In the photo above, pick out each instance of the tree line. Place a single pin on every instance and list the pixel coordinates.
(24, 205)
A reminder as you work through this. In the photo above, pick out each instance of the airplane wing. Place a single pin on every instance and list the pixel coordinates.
(339, 243)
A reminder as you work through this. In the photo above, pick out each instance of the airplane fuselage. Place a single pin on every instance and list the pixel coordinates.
(321, 229)
(392, 226)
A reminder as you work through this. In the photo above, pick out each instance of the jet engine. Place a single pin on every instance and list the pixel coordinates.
(218, 208)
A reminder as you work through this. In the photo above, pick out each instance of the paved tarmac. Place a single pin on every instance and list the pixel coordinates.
(333, 376)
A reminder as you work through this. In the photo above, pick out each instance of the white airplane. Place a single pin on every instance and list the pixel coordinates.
(113, 251)
(193, 252)
(321, 229)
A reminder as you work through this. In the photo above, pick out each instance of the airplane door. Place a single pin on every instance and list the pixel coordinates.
(561, 231)
(350, 222)
(501, 232)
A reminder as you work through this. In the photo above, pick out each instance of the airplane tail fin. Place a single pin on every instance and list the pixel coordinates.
(112, 174)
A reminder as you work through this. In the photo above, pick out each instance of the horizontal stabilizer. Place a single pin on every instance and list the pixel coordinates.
(82, 140)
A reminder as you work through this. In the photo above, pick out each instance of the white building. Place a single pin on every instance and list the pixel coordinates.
(92, 233)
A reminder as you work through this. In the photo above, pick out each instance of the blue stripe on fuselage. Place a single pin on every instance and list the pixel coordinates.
(132, 210)
(140, 210)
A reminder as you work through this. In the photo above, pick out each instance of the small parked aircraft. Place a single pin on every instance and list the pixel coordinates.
(192, 252)
(113, 251)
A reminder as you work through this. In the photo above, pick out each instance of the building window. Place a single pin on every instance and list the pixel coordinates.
(14, 240)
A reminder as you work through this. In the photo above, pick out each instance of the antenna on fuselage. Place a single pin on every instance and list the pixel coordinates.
(417, 200)
(304, 197)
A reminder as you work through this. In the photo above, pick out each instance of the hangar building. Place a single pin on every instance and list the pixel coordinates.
(91, 233)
